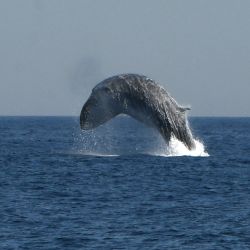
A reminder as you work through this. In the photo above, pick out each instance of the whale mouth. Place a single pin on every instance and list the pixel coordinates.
(85, 125)
(85, 121)
(97, 110)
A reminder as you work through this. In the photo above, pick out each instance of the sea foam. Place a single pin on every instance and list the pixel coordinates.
(177, 148)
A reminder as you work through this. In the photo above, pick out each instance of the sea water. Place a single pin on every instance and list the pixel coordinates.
(121, 187)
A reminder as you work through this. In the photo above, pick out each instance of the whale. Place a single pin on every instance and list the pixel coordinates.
(141, 98)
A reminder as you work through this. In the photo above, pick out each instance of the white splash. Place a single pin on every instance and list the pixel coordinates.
(177, 148)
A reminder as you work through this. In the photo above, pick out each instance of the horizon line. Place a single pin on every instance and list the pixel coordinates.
(202, 116)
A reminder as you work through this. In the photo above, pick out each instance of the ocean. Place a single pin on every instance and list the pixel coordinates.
(121, 187)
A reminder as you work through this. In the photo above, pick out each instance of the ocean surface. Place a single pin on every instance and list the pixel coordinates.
(121, 187)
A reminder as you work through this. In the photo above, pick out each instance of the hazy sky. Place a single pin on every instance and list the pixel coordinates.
(52, 52)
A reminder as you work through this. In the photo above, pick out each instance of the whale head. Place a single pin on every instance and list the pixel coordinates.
(99, 108)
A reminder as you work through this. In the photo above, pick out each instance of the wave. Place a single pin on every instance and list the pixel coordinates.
(175, 149)
(126, 136)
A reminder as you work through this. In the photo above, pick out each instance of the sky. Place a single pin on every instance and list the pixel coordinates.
(53, 52)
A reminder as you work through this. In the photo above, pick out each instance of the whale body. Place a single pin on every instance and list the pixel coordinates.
(141, 98)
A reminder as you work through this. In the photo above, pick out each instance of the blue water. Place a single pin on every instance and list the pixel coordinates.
(59, 189)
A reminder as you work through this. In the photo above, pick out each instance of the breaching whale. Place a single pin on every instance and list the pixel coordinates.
(141, 98)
